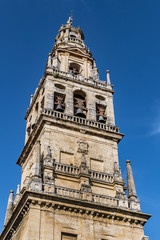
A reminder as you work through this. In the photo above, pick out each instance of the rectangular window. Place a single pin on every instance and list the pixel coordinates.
(68, 236)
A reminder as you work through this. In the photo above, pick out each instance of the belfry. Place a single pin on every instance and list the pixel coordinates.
(71, 184)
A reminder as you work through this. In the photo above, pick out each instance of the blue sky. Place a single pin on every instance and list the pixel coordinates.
(124, 37)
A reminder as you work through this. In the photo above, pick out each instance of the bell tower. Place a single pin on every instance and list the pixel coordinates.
(71, 185)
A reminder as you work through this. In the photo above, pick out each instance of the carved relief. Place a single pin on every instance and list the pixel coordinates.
(82, 146)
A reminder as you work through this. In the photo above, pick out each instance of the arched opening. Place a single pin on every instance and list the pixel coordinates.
(100, 110)
(59, 102)
(80, 109)
(74, 68)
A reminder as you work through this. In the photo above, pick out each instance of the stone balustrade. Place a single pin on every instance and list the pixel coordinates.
(105, 177)
(80, 78)
(96, 198)
(64, 168)
(74, 170)
(71, 39)
(67, 192)
(76, 40)
(79, 120)
(109, 201)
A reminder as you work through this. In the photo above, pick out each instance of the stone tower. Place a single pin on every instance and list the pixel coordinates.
(71, 186)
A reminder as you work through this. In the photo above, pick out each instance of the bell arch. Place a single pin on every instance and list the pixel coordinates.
(79, 99)
(75, 68)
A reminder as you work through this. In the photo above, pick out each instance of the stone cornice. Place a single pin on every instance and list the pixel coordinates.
(66, 49)
(72, 206)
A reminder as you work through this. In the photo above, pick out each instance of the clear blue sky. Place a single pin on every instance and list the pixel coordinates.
(124, 37)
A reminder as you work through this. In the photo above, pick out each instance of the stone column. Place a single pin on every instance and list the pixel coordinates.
(49, 94)
(91, 106)
(110, 110)
(69, 100)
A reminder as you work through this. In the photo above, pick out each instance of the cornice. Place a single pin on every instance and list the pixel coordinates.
(61, 205)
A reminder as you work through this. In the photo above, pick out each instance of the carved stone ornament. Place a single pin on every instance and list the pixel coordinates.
(49, 152)
(82, 146)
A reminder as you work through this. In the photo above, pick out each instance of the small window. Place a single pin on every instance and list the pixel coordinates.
(68, 236)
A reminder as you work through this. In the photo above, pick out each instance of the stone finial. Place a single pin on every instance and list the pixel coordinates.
(108, 77)
(69, 22)
(17, 197)
(130, 181)
(31, 99)
(9, 208)
(49, 64)
(94, 64)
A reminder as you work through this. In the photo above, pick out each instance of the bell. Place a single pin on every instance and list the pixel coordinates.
(80, 113)
(34, 122)
(59, 108)
(101, 119)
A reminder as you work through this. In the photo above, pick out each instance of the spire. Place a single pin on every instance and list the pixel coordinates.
(108, 77)
(9, 208)
(130, 181)
(17, 197)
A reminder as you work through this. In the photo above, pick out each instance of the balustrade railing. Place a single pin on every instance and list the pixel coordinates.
(80, 120)
(96, 198)
(109, 201)
(67, 192)
(102, 176)
(60, 167)
(72, 39)
(74, 170)
(80, 78)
